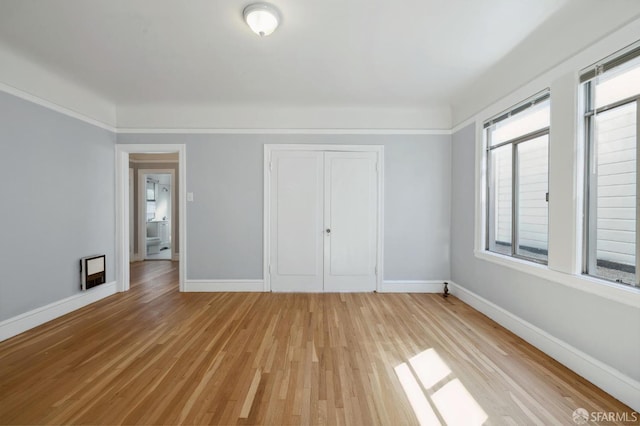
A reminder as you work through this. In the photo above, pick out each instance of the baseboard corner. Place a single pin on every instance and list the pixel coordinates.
(19, 324)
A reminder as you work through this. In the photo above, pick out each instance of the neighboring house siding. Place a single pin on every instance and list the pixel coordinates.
(533, 184)
(616, 189)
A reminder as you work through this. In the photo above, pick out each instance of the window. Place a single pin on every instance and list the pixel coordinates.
(612, 92)
(518, 180)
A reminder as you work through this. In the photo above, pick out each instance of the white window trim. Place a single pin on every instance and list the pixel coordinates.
(616, 292)
(542, 96)
(587, 146)
(626, 35)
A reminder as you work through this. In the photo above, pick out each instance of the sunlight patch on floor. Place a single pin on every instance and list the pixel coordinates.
(417, 399)
(429, 368)
(452, 401)
(457, 406)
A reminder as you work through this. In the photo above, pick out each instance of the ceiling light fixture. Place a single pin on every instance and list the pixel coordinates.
(262, 18)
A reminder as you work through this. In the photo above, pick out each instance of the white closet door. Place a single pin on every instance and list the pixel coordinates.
(296, 233)
(350, 214)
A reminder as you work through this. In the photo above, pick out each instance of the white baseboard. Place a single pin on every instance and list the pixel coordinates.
(421, 286)
(223, 285)
(23, 322)
(602, 375)
(412, 286)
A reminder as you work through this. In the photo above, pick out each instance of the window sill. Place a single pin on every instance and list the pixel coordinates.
(617, 292)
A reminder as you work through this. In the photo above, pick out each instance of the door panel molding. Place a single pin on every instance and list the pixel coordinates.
(377, 150)
(350, 215)
(296, 255)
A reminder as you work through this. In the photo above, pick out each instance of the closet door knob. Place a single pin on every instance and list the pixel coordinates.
(328, 231)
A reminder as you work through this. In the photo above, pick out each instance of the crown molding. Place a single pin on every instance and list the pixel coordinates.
(224, 131)
(55, 107)
(283, 131)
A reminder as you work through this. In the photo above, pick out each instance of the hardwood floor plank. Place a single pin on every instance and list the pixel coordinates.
(251, 394)
(154, 355)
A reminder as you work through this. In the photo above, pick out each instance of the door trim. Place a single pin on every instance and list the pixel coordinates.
(122, 152)
(270, 148)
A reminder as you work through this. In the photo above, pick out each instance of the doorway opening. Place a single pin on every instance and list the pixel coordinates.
(155, 230)
(150, 206)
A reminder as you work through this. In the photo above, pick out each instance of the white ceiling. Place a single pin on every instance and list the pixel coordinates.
(396, 53)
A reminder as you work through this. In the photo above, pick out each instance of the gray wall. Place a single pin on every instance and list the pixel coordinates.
(584, 321)
(225, 221)
(57, 177)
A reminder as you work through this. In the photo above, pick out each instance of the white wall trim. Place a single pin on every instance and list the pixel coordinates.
(224, 286)
(412, 286)
(122, 207)
(269, 148)
(284, 131)
(28, 320)
(602, 375)
(223, 131)
(54, 107)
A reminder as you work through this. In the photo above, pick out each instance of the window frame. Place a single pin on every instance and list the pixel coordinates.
(565, 259)
(544, 96)
(588, 86)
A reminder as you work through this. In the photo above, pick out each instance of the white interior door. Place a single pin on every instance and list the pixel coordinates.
(296, 233)
(323, 221)
(350, 216)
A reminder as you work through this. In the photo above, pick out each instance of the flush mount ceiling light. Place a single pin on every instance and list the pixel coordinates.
(262, 18)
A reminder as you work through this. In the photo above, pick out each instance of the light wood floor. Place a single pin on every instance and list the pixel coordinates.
(158, 356)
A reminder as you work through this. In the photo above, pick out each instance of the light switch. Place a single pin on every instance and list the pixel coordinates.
(189, 196)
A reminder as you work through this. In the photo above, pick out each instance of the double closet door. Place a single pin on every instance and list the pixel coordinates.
(323, 221)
